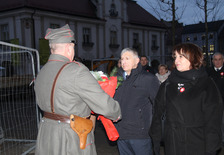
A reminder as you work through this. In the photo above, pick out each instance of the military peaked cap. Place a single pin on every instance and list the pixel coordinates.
(60, 35)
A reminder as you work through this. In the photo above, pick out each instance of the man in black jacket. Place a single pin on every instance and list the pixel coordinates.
(217, 73)
(135, 96)
(145, 64)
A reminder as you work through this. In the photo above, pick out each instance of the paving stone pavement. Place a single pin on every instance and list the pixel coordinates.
(106, 147)
(103, 145)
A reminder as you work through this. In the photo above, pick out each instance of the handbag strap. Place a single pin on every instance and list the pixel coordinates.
(164, 105)
(53, 87)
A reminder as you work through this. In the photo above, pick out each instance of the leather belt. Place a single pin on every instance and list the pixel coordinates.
(57, 117)
(61, 118)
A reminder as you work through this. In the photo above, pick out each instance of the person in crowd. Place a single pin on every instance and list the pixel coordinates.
(163, 73)
(120, 71)
(135, 96)
(145, 64)
(216, 72)
(119, 63)
(192, 106)
(76, 92)
(121, 74)
(155, 64)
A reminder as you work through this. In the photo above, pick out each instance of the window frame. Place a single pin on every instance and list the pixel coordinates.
(86, 35)
(4, 30)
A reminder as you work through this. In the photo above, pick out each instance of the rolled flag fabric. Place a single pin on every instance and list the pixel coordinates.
(109, 86)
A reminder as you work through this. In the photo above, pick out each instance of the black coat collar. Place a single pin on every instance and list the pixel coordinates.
(135, 71)
(187, 76)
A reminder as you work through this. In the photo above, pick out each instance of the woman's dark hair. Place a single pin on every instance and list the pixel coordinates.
(191, 52)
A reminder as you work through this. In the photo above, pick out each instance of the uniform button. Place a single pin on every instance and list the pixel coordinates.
(140, 110)
(59, 122)
(143, 128)
(42, 120)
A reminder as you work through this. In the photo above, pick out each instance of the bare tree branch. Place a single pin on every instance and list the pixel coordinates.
(168, 11)
(156, 10)
(208, 7)
(213, 7)
(163, 9)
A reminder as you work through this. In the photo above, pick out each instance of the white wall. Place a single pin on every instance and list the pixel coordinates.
(100, 30)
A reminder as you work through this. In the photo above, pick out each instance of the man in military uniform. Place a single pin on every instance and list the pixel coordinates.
(76, 92)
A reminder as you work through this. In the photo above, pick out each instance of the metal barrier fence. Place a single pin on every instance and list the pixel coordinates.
(18, 110)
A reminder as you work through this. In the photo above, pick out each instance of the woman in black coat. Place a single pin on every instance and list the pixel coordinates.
(192, 105)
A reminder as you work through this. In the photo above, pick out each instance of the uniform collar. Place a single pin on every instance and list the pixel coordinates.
(58, 57)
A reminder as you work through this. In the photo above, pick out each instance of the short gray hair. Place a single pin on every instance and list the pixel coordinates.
(217, 53)
(57, 46)
(131, 50)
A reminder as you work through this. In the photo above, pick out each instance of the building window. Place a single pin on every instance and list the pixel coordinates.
(212, 48)
(203, 37)
(203, 48)
(4, 29)
(87, 37)
(54, 26)
(113, 37)
(188, 39)
(136, 43)
(154, 42)
(211, 35)
(135, 38)
(195, 38)
(113, 12)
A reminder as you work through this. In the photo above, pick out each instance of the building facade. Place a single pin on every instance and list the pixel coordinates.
(196, 34)
(102, 27)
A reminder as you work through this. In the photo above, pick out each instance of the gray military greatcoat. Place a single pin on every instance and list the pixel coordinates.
(76, 92)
